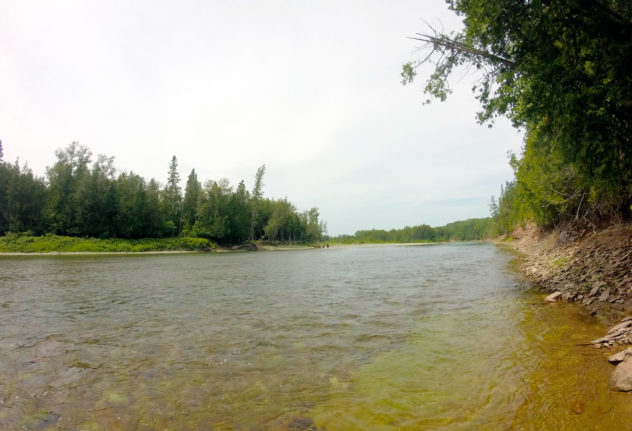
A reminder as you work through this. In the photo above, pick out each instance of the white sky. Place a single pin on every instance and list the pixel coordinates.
(311, 89)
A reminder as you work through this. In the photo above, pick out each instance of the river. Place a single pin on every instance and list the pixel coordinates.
(435, 337)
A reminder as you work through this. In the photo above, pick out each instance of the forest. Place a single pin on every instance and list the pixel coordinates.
(85, 197)
(464, 230)
(560, 71)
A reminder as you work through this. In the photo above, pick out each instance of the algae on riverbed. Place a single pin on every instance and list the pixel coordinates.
(480, 370)
(352, 338)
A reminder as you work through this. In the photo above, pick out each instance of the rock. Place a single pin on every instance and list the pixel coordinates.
(567, 296)
(577, 407)
(553, 296)
(302, 424)
(623, 324)
(621, 356)
(247, 246)
(621, 378)
(594, 290)
(604, 296)
(115, 398)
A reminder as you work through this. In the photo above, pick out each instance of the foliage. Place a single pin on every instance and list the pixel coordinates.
(173, 198)
(190, 202)
(83, 198)
(22, 199)
(257, 194)
(465, 230)
(560, 70)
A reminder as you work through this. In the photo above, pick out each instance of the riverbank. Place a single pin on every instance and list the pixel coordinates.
(47, 245)
(55, 244)
(592, 268)
(18, 244)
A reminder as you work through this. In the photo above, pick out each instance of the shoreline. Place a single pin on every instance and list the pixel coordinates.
(97, 253)
(590, 268)
(227, 249)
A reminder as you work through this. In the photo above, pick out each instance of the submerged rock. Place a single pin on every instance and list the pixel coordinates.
(621, 356)
(621, 378)
(553, 296)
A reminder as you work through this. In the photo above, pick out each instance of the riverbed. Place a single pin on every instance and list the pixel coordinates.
(440, 337)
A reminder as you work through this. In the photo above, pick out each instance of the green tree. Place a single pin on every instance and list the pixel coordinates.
(65, 179)
(313, 227)
(284, 224)
(154, 221)
(558, 69)
(213, 216)
(173, 197)
(131, 193)
(24, 199)
(97, 198)
(239, 215)
(255, 203)
(190, 203)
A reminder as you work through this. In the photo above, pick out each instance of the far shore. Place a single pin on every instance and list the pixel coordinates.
(93, 253)
(283, 247)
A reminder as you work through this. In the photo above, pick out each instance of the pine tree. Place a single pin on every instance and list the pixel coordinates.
(173, 197)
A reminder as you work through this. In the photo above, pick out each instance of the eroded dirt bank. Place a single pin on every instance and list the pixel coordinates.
(593, 268)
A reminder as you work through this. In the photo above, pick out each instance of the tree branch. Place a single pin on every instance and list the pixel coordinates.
(445, 42)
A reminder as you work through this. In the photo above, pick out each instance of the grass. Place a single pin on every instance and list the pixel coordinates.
(15, 243)
(562, 261)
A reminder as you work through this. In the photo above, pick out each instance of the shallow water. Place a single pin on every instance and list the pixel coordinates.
(442, 337)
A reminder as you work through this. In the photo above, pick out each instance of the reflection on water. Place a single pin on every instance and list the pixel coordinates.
(433, 337)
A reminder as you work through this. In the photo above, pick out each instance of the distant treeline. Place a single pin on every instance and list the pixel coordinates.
(466, 230)
(82, 197)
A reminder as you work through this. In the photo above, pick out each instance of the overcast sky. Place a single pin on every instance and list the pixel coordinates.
(310, 88)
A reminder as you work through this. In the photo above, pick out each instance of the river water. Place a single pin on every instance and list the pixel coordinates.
(441, 337)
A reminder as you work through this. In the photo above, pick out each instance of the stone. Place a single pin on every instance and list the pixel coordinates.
(246, 246)
(619, 326)
(621, 378)
(604, 296)
(577, 407)
(594, 291)
(553, 296)
(621, 356)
